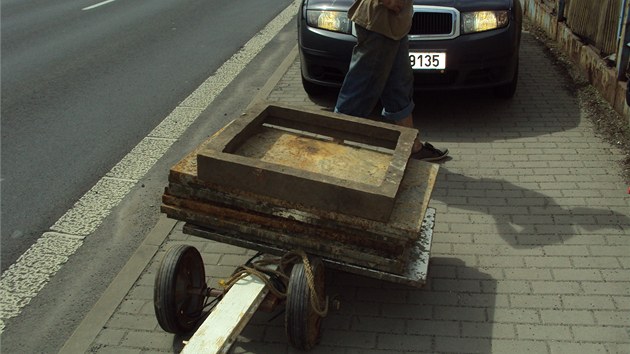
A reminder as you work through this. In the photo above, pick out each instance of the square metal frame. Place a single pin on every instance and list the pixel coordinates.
(217, 162)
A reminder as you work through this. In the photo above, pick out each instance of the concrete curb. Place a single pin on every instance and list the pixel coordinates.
(104, 308)
(275, 77)
(89, 328)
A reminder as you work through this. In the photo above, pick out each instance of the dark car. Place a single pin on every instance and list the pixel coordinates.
(453, 44)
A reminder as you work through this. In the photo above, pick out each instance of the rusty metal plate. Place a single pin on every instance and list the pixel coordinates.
(353, 241)
(260, 239)
(318, 159)
(416, 262)
(213, 215)
(404, 223)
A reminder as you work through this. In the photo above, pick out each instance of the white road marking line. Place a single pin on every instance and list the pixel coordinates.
(23, 280)
(97, 5)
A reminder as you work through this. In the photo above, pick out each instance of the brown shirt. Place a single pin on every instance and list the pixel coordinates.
(372, 15)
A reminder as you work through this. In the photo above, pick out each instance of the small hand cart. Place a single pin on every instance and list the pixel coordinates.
(316, 189)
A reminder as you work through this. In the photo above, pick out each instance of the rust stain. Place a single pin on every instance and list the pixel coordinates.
(316, 155)
(356, 239)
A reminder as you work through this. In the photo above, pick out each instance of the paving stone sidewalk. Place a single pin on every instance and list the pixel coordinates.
(531, 249)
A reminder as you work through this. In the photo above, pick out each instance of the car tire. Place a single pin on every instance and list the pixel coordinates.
(313, 89)
(508, 90)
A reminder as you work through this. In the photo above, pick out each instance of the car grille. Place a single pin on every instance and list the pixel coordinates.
(431, 23)
(434, 23)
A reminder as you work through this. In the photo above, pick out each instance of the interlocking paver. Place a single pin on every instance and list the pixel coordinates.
(602, 334)
(455, 345)
(401, 342)
(567, 317)
(570, 348)
(110, 336)
(587, 302)
(144, 340)
(519, 346)
(535, 301)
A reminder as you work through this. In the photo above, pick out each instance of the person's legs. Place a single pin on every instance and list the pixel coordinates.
(398, 105)
(372, 60)
(397, 95)
(380, 69)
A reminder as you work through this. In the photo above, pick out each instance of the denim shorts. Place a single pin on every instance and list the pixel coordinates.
(379, 69)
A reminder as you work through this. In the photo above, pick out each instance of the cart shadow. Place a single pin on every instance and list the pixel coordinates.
(453, 312)
(524, 218)
(180, 340)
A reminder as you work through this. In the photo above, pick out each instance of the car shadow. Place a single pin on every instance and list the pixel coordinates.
(545, 102)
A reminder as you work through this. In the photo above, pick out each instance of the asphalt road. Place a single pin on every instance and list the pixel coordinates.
(110, 79)
(82, 86)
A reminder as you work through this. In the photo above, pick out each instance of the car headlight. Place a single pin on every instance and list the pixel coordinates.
(484, 21)
(336, 21)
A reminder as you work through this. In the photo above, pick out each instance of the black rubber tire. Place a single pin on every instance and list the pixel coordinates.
(312, 89)
(508, 90)
(302, 323)
(176, 309)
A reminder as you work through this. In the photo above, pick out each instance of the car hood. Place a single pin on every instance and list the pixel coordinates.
(461, 5)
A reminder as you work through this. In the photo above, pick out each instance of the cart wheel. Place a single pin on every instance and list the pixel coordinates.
(302, 321)
(179, 291)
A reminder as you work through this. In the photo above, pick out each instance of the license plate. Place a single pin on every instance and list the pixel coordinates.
(427, 61)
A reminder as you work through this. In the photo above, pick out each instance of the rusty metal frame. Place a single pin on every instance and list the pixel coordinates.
(218, 164)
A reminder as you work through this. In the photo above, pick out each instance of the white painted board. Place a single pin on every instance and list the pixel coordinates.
(226, 321)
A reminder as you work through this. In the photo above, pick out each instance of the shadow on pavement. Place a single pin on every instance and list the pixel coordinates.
(477, 116)
(524, 218)
(544, 103)
(453, 312)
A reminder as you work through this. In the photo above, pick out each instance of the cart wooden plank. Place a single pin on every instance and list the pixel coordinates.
(226, 321)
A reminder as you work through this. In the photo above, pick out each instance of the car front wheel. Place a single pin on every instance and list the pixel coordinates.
(508, 90)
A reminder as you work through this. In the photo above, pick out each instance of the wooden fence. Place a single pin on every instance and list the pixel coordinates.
(595, 21)
(604, 25)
